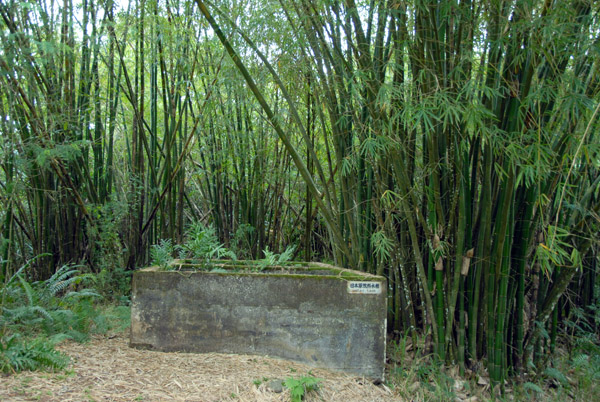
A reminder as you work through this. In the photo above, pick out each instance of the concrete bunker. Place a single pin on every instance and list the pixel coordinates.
(311, 313)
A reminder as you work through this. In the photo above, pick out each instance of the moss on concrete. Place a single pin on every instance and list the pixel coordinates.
(294, 270)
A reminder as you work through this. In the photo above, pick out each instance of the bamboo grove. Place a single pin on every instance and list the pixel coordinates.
(449, 145)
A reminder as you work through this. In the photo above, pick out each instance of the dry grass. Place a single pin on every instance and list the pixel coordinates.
(106, 369)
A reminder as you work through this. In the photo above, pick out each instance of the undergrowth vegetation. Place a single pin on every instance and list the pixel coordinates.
(37, 315)
(571, 373)
(202, 246)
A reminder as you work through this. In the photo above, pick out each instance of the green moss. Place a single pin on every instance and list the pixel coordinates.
(298, 270)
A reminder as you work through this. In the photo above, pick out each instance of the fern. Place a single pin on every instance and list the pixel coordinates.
(533, 387)
(24, 267)
(581, 360)
(269, 260)
(19, 355)
(286, 256)
(48, 306)
(41, 311)
(273, 259)
(162, 254)
(557, 375)
(203, 245)
(81, 294)
(27, 315)
(64, 277)
(55, 309)
(219, 270)
(28, 290)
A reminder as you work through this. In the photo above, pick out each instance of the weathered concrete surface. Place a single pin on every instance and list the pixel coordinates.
(307, 318)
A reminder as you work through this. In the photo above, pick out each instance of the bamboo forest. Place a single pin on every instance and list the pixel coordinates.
(449, 146)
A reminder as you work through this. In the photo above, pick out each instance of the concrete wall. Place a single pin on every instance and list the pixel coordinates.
(324, 321)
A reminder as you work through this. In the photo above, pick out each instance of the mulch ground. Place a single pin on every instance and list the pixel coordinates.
(107, 369)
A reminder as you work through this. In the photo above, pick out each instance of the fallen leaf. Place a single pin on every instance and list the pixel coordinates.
(483, 381)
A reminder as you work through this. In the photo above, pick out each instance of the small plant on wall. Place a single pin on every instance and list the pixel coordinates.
(201, 245)
(272, 258)
(162, 254)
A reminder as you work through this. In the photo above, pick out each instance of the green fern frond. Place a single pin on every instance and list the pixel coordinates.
(286, 256)
(61, 280)
(556, 374)
(28, 315)
(581, 360)
(533, 387)
(29, 292)
(162, 254)
(64, 272)
(81, 294)
(19, 355)
(42, 312)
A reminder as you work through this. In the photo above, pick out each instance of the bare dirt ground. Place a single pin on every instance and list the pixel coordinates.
(107, 369)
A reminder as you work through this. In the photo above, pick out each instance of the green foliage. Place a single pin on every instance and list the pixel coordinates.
(114, 285)
(242, 241)
(557, 375)
(108, 253)
(18, 354)
(68, 151)
(529, 386)
(299, 387)
(57, 305)
(273, 259)
(161, 255)
(112, 319)
(557, 252)
(35, 316)
(382, 246)
(585, 365)
(416, 375)
(202, 245)
(442, 123)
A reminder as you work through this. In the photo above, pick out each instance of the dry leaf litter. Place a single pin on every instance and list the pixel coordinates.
(107, 369)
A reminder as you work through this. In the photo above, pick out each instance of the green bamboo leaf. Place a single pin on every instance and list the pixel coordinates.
(383, 246)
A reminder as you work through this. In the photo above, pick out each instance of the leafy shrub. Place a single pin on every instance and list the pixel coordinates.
(17, 354)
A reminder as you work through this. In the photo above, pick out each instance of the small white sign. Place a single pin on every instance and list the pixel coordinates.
(364, 287)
